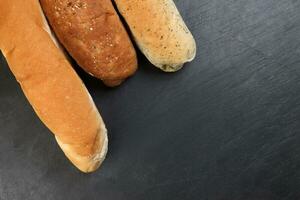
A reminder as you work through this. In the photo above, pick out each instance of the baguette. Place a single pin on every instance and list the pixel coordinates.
(93, 34)
(159, 31)
(50, 84)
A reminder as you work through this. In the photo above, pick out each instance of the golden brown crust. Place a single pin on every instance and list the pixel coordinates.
(159, 31)
(49, 82)
(87, 163)
(93, 34)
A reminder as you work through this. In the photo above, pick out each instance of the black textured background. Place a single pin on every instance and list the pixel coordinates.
(226, 127)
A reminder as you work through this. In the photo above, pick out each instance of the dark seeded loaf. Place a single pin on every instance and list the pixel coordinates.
(94, 36)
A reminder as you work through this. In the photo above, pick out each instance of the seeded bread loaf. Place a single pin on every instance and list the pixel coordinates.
(159, 31)
(94, 36)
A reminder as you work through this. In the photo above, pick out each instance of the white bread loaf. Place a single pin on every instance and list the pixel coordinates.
(50, 84)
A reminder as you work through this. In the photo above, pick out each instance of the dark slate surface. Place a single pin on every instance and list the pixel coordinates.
(226, 127)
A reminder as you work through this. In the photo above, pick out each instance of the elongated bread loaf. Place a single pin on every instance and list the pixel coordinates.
(159, 31)
(94, 36)
(50, 84)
